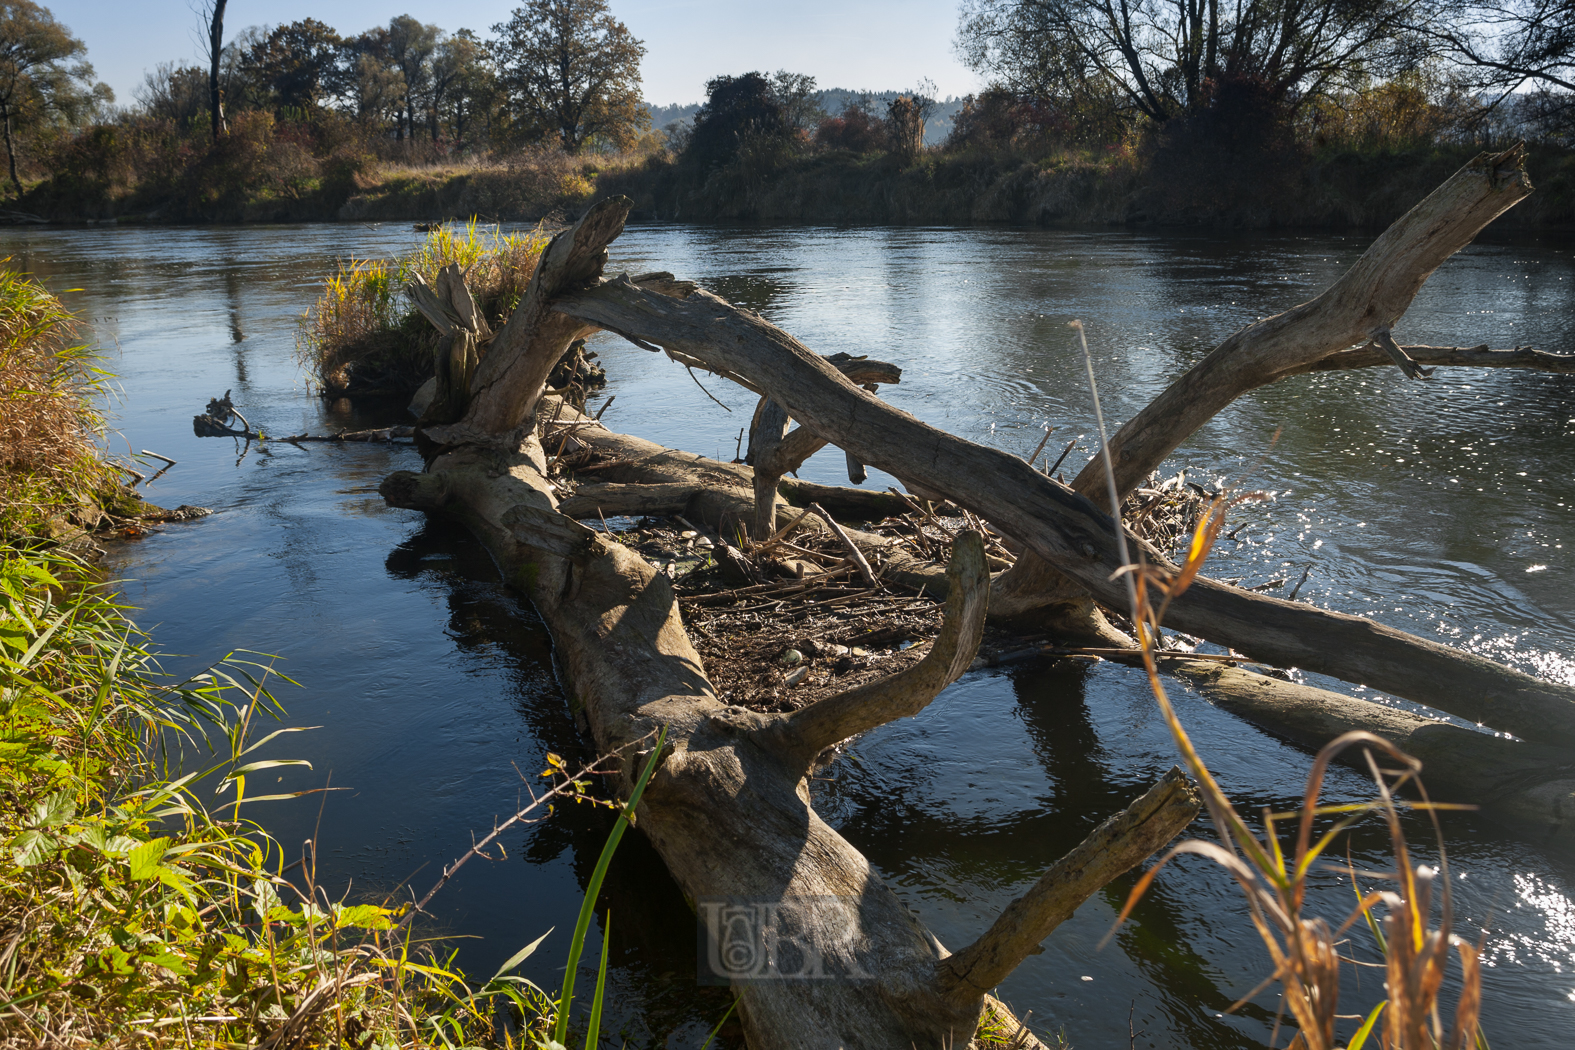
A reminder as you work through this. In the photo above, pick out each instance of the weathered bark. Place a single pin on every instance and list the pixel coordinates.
(1529, 783)
(513, 374)
(728, 812)
(1358, 309)
(711, 491)
(1064, 528)
(215, 57)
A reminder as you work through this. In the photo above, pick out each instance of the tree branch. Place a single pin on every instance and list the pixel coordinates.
(1116, 846)
(1070, 533)
(1462, 356)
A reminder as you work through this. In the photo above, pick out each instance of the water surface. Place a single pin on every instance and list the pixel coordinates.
(1441, 508)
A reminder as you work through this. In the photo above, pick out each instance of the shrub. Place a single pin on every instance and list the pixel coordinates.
(855, 129)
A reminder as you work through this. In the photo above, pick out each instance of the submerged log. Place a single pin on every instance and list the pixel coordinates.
(728, 808)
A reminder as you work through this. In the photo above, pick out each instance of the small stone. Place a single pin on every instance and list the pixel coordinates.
(704, 541)
(688, 534)
(796, 677)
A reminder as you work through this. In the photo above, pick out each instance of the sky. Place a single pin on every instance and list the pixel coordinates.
(873, 45)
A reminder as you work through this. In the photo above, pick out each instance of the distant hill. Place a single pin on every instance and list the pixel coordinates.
(833, 101)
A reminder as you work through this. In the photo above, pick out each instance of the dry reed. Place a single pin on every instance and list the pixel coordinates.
(1304, 948)
(50, 467)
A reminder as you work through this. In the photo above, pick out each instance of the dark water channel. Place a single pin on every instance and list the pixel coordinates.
(1442, 508)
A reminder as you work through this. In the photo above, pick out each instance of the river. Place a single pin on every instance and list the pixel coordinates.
(1439, 507)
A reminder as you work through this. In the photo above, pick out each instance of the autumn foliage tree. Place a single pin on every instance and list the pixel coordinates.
(572, 70)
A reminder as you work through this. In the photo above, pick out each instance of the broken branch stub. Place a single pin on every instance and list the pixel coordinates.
(774, 455)
(511, 378)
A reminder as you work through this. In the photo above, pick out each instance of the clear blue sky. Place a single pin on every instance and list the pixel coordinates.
(858, 44)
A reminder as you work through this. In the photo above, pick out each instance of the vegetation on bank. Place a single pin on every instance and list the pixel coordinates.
(132, 911)
(134, 915)
(1356, 162)
(54, 482)
(405, 122)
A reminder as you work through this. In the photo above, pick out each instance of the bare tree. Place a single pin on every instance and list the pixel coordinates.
(212, 15)
(1165, 56)
(1509, 43)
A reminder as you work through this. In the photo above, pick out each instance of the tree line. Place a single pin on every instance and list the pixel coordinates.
(1262, 64)
(1252, 75)
(560, 72)
(555, 70)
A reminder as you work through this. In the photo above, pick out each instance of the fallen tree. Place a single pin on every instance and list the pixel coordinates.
(728, 809)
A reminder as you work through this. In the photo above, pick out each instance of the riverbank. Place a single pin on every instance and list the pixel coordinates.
(1332, 189)
(138, 908)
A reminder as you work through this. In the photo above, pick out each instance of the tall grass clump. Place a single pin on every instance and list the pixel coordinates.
(52, 475)
(1415, 935)
(363, 336)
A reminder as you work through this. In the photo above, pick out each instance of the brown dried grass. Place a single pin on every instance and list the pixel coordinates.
(50, 466)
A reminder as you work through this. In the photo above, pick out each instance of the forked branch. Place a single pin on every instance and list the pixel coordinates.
(1064, 529)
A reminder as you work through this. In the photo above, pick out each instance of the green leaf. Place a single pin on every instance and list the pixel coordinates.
(593, 1030)
(593, 888)
(116, 960)
(366, 916)
(177, 882)
(32, 848)
(171, 961)
(1367, 1027)
(54, 810)
(252, 767)
(145, 859)
(521, 955)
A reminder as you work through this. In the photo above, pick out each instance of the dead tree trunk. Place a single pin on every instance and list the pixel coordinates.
(1531, 785)
(728, 808)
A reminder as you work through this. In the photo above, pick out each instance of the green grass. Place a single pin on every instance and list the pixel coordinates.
(139, 903)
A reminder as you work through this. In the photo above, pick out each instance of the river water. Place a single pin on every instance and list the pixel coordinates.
(1442, 508)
